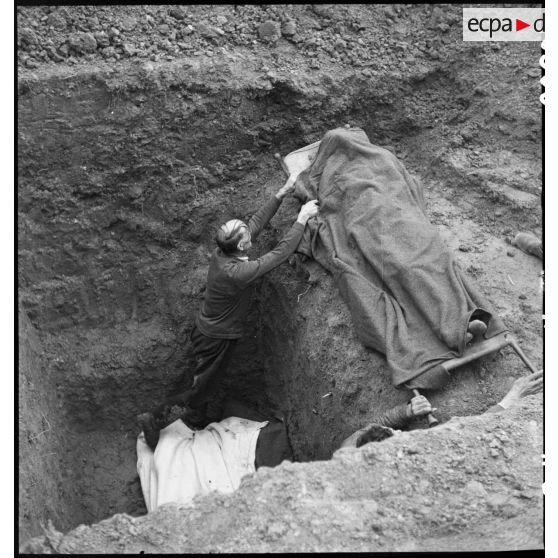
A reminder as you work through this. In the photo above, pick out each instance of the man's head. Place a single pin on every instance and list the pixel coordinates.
(233, 237)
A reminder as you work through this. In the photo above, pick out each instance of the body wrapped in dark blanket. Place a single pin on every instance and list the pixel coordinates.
(407, 296)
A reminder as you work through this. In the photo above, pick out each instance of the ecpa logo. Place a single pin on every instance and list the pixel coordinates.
(503, 24)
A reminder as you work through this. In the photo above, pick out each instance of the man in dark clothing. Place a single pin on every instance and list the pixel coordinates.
(219, 323)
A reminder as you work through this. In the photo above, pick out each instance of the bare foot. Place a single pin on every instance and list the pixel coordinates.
(476, 327)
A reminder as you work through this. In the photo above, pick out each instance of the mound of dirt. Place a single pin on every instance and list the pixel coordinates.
(324, 34)
(141, 129)
(473, 484)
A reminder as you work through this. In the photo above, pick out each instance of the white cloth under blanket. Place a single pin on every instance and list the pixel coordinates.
(187, 463)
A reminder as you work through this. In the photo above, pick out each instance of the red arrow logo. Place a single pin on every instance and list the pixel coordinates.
(519, 24)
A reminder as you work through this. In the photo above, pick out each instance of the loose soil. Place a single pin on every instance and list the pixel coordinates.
(132, 152)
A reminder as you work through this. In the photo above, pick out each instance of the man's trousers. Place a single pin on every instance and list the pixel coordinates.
(212, 357)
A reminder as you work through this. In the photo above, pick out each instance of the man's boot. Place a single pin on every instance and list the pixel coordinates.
(195, 417)
(150, 429)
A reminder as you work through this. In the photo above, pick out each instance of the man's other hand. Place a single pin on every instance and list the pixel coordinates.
(287, 188)
(373, 433)
(308, 210)
(419, 406)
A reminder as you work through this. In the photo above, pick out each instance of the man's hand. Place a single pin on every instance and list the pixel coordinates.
(419, 406)
(308, 210)
(373, 433)
(522, 387)
(287, 188)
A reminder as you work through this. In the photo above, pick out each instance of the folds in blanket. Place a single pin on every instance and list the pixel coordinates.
(407, 296)
(410, 346)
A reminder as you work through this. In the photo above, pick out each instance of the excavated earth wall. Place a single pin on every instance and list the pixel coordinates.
(473, 484)
(125, 170)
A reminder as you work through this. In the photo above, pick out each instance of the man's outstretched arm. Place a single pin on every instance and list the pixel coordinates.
(262, 217)
(249, 271)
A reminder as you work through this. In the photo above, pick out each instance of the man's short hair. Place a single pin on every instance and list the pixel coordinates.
(228, 236)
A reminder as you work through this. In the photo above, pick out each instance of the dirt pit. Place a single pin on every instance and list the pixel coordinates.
(125, 169)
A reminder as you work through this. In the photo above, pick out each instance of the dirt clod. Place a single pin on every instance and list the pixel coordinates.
(102, 39)
(128, 23)
(82, 43)
(57, 20)
(288, 28)
(269, 31)
(177, 13)
(27, 36)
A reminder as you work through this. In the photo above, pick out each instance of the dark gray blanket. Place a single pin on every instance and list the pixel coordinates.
(407, 296)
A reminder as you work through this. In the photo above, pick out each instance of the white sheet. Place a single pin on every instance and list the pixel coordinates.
(187, 463)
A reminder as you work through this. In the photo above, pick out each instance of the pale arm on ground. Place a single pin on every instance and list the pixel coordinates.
(522, 387)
